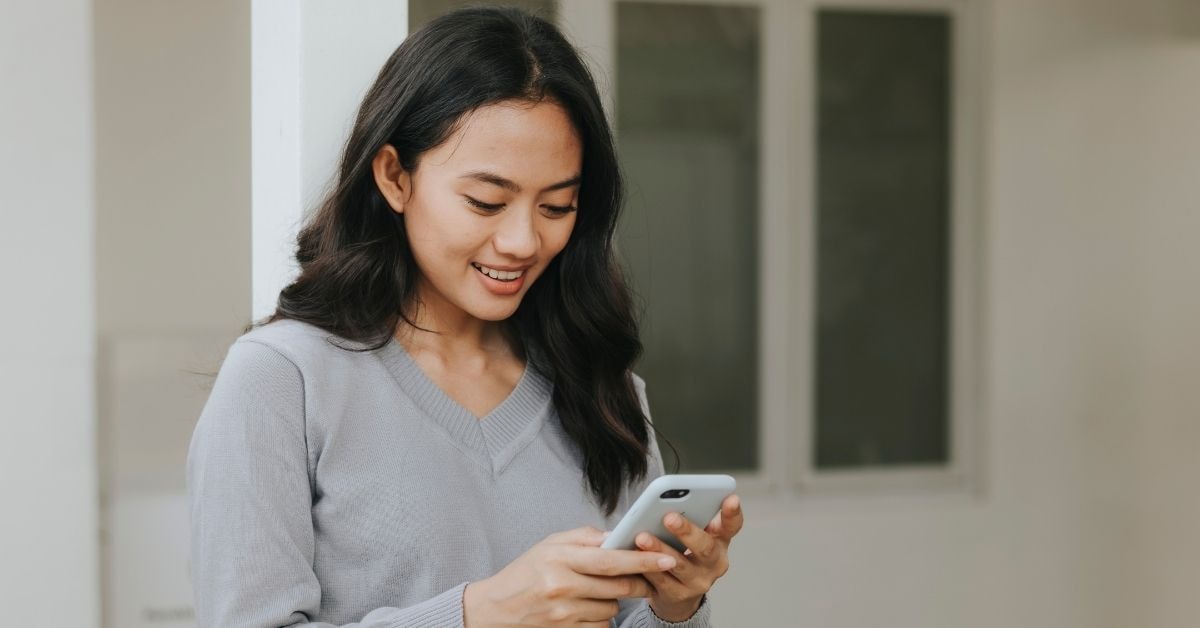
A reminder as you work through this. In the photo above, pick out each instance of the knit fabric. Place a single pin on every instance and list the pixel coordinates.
(339, 488)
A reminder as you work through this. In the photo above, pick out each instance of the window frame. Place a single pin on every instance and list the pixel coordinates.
(965, 281)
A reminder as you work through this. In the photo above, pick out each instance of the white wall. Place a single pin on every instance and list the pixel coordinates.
(48, 531)
(173, 167)
(172, 269)
(1092, 333)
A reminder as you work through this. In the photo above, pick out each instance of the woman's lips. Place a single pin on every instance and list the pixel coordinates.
(500, 287)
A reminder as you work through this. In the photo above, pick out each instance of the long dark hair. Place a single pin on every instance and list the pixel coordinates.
(576, 323)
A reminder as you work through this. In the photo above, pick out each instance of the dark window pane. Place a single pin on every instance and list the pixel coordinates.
(687, 109)
(883, 186)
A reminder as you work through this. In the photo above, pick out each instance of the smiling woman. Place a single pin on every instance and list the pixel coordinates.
(439, 417)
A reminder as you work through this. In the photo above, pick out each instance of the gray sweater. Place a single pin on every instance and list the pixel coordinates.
(333, 488)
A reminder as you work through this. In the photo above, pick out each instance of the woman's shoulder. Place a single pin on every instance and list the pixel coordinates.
(286, 334)
(303, 344)
(288, 357)
(285, 329)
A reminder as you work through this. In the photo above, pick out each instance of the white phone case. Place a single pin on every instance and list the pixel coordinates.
(701, 503)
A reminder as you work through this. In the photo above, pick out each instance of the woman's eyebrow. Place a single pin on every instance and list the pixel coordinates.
(510, 185)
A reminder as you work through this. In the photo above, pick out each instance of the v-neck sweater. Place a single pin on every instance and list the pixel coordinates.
(333, 487)
(492, 439)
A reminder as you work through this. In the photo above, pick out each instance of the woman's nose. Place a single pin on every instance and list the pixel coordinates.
(516, 235)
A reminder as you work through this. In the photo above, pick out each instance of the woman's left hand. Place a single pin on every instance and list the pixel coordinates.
(679, 592)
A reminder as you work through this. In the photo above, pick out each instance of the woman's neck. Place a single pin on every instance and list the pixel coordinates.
(455, 337)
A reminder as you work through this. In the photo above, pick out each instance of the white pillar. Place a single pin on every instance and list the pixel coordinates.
(312, 62)
(49, 534)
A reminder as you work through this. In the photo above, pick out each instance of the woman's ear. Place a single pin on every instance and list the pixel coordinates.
(393, 181)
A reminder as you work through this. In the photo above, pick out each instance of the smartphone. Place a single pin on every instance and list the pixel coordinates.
(696, 497)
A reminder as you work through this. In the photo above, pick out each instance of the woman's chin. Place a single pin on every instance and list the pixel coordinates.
(495, 312)
(489, 305)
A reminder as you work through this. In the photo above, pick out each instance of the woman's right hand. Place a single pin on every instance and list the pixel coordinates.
(564, 580)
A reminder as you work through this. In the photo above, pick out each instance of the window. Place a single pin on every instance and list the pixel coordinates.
(883, 214)
(894, 230)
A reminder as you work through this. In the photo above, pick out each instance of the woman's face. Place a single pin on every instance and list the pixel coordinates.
(488, 209)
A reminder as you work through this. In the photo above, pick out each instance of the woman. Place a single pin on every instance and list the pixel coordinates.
(439, 418)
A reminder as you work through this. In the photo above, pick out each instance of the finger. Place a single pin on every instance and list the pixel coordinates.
(732, 518)
(698, 541)
(728, 520)
(616, 587)
(586, 535)
(604, 562)
(597, 611)
(650, 543)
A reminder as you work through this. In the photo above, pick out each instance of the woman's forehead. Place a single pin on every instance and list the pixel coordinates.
(530, 143)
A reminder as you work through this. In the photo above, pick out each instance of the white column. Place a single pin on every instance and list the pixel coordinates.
(49, 573)
(312, 62)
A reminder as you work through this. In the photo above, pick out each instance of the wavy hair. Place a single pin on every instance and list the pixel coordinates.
(576, 323)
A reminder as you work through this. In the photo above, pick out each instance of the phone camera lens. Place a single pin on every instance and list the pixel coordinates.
(673, 493)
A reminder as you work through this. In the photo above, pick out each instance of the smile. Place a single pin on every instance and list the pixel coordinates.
(499, 275)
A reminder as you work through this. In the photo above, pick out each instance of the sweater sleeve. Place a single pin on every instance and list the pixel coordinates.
(250, 504)
(636, 613)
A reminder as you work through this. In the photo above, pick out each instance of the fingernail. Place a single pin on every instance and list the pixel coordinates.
(674, 520)
(666, 562)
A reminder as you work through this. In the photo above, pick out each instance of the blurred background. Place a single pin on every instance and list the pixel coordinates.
(922, 273)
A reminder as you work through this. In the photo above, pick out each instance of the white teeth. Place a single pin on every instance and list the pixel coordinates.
(502, 275)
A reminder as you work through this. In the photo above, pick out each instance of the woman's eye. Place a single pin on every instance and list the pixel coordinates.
(487, 207)
(559, 210)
